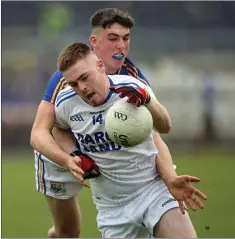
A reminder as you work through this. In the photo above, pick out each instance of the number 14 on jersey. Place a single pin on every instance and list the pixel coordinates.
(97, 119)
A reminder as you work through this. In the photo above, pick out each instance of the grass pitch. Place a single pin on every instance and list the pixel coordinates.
(25, 213)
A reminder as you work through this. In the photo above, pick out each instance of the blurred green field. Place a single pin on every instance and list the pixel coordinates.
(25, 213)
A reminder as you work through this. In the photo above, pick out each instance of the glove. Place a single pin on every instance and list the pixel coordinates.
(87, 165)
(136, 95)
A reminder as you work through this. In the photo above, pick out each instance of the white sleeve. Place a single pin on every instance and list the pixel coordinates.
(150, 91)
(60, 120)
(142, 85)
(152, 95)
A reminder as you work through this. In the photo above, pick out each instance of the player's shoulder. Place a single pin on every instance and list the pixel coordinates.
(128, 61)
(57, 76)
(129, 68)
(57, 82)
(124, 80)
(65, 96)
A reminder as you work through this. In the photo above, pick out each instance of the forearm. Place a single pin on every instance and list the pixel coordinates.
(64, 138)
(161, 118)
(48, 146)
(164, 160)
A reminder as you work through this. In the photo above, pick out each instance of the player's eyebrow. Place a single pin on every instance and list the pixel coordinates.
(116, 35)
(81, 76)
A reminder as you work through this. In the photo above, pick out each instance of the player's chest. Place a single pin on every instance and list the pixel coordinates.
(87, 120)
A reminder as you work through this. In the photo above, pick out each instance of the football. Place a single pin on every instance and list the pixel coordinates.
(128, 125)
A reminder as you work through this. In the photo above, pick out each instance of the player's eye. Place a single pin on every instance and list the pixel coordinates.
(73, 84)
(126, 38)
(113, 38)
(84, 78)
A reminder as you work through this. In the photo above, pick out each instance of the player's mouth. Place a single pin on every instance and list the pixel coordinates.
(90, 95)
(118, 56)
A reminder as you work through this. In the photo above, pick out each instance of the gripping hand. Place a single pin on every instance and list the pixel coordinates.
(136, 95)
(87, 165)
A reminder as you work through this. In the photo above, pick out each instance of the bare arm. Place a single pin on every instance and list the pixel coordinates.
(161, 118)
(64, 138)
(179, 186)
(164, 160)
(41, 138)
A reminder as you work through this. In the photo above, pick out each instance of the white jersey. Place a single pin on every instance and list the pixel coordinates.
(124, 170)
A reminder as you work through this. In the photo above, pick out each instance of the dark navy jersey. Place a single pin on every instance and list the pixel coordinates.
(57, 82)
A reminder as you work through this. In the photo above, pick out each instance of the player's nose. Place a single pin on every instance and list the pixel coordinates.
(82, 86)
(121, 44)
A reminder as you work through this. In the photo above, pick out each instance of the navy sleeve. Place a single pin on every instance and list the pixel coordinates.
(134, 71)
(54, 86)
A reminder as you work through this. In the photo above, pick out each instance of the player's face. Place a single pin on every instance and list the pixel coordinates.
(112, 46)
(87, 77)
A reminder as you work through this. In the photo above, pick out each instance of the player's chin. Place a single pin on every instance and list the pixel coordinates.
(96, 103)
(117, 63)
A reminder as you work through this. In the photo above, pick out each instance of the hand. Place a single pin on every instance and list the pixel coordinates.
(90, 169)
(181, 189)
(136, 95)
(74, 166)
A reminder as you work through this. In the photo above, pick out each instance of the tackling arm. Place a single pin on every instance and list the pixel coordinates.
(64, 138)
(161, 118)
(41, 138)
(141, 96)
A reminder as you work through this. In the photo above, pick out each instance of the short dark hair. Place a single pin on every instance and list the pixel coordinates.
(106, 17)
(71, 54)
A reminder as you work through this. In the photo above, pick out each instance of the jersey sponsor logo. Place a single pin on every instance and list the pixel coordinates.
(57, 188)
(76, 118)
(168, 201)
(120, 116)
(97, 142)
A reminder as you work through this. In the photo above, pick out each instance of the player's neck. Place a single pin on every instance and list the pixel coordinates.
(111, 71)
(106, 86)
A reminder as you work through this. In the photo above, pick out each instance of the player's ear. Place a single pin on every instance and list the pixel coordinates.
(93, 41)
(100, 66)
